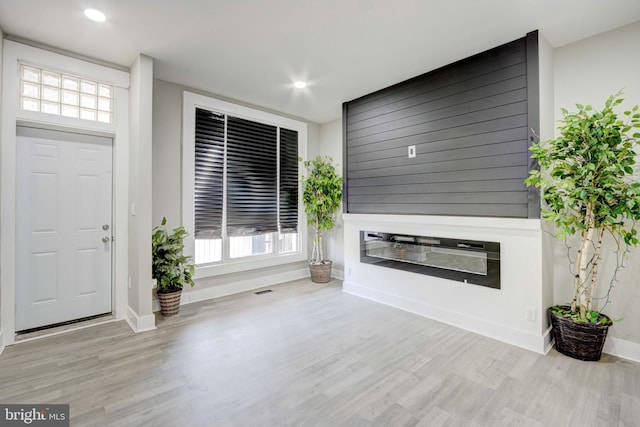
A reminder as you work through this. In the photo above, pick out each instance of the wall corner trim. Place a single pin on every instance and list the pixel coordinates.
(140, 323)
(533, 114)
(1, 342)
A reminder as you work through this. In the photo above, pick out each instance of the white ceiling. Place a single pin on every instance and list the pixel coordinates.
(253, 50)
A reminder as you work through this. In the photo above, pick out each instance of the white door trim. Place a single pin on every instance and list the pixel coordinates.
(11, 117)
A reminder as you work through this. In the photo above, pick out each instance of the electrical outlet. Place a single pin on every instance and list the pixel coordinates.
(349, 271)
(531, 314)
(129, 282)
(411, 151)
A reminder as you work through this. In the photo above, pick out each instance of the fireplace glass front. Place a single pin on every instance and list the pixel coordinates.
(468, 261)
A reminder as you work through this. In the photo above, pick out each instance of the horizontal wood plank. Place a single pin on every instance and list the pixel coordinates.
(508, 172)
(442, 187)
(495, 197)
(475, 140)
(498, 149)
(459, 166)
(490, 210)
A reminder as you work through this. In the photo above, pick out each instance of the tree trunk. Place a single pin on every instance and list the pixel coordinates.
(317, 244)
(314, 252)
(586, 243)
(594, 269)
(576, 278)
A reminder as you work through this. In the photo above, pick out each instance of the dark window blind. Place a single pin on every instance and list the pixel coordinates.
(252, 177)
(209, 167)
(288, 181)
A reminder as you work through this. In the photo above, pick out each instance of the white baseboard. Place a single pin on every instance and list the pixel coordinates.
(140, 323)
(523, 339)
(337, 274)
(202, 294)
(622, 348)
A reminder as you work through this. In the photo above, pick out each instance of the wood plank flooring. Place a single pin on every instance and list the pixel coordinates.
(310, 355)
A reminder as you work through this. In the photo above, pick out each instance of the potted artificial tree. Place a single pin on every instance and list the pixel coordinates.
(171, 268)
(321, 195)
(588, 191)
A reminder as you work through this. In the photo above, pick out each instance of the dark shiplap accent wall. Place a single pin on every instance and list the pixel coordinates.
(470, 122)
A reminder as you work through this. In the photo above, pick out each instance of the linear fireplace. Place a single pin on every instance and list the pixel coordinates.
(468, 261)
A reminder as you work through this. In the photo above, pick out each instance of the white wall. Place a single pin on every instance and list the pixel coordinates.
(167, 200)
(140, 315)
(1, 49)
(331, 145)
(587, 72)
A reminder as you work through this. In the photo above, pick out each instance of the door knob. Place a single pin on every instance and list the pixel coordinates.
(105, 239)
(105, 227)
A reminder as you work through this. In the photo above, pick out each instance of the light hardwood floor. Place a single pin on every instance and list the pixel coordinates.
(310, 355)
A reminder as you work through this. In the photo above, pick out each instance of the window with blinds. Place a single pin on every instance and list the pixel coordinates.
(246, 188)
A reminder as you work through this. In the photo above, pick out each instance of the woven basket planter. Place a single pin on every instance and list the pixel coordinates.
(582, 341)
(169, 302)
(320, 272)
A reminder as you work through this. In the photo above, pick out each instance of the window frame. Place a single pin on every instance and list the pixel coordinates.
(191, 101)
(61, 89)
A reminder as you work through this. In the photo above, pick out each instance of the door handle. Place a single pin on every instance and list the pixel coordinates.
(105, 239)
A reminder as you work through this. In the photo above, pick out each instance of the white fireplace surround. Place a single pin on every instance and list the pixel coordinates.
(514, 314)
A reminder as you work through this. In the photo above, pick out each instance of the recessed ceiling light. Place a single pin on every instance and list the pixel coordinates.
(300, 84)
(95, 15)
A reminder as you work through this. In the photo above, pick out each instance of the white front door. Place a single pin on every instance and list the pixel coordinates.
(63, 227)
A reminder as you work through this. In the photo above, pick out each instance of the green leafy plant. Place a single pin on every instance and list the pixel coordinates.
(588, 190)
(591, 316)
(171, 269)
(321, 195)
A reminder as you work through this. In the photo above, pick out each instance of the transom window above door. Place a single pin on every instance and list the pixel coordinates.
(65, 95)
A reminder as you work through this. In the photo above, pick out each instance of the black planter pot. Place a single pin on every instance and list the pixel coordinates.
(582, 341)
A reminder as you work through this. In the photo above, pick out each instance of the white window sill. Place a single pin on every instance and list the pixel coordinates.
(246, 264)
